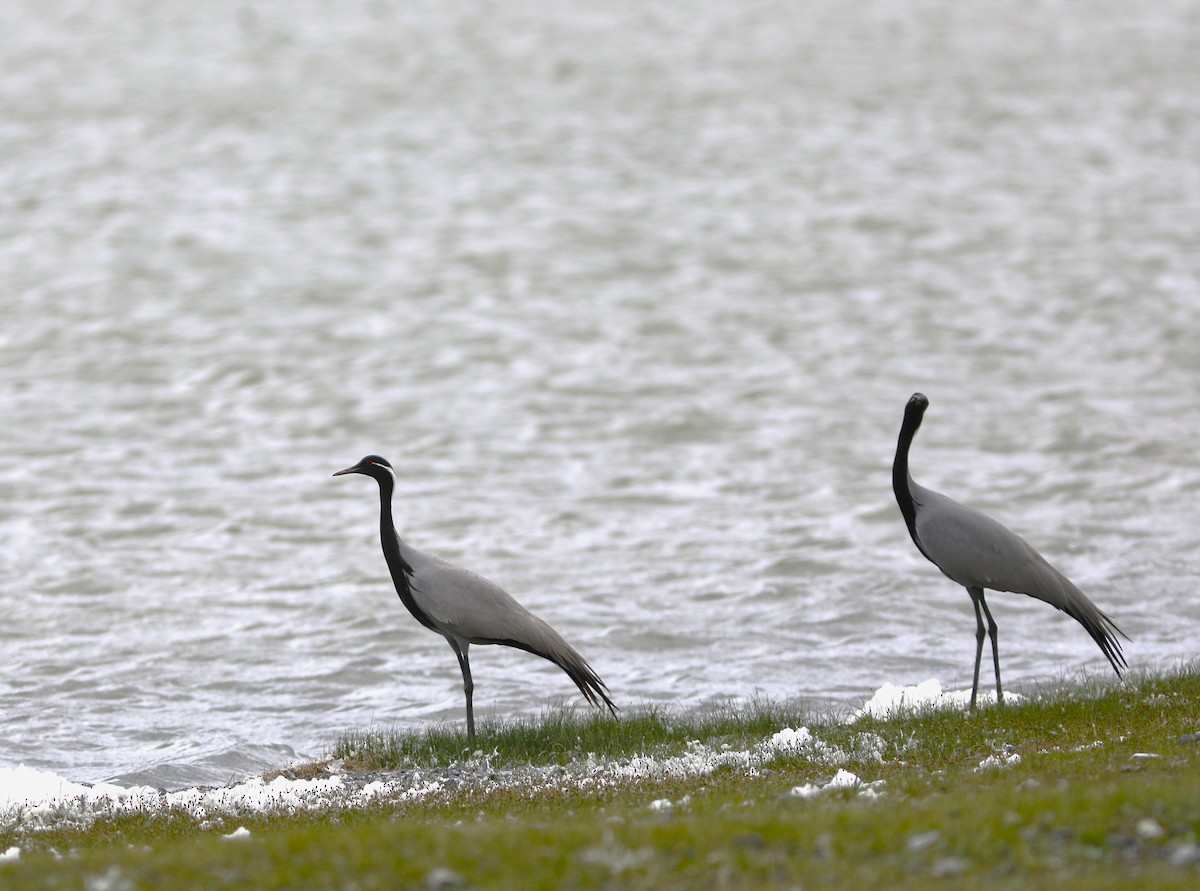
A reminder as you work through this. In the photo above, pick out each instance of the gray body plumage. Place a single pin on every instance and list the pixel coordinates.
(465, 607)
(978, 552)
(470, 607)
(473, 610)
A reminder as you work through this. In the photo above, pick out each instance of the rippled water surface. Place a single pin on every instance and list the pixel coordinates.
(632, 296)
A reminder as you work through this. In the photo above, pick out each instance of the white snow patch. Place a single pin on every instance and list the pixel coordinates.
(240, 832)
(843, 779)
(13, 853)
(373, 789)
(892, 700)
(701, 760)
(866, 747)
(808, 790)
(1083, 747)
(32, 799)
(998, 761)
(802, 743)
(872, 790)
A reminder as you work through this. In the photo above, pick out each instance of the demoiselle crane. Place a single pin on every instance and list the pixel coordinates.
(977, 552)
(466, 608)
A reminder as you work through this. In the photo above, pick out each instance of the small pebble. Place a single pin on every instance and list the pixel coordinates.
(1122, 842)
(1184, 854)
(751, 840)
(1149, 829)
(923, 841)
(949, 866)
(440, 878)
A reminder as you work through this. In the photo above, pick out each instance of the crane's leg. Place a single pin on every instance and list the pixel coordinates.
(980, 634)
(464, 663)
(982, 610)
(995, 647)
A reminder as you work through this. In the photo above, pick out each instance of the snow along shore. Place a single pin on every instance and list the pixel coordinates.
(31, 800)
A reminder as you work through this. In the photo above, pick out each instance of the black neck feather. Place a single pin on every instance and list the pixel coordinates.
(400, 569)
(901, 477)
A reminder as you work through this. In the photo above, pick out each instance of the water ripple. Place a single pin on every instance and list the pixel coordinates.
(631, 297)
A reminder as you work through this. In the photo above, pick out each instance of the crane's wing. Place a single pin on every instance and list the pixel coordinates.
(978, 552)
(472, 608)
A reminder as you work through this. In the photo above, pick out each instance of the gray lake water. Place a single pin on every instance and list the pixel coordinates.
(632, 295)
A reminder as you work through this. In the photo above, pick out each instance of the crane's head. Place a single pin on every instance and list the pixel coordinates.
(372, 465)
(913, 412)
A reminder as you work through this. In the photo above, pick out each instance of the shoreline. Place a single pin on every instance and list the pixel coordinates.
(1093, 784)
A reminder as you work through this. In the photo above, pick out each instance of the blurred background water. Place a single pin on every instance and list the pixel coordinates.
(631, 294)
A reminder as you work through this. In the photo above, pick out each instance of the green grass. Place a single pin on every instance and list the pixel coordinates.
(1078, 811)
(564, 735)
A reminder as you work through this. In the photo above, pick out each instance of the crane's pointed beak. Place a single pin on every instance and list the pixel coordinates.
(357, 468)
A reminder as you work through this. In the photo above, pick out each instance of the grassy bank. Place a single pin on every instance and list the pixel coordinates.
(1080, 787)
